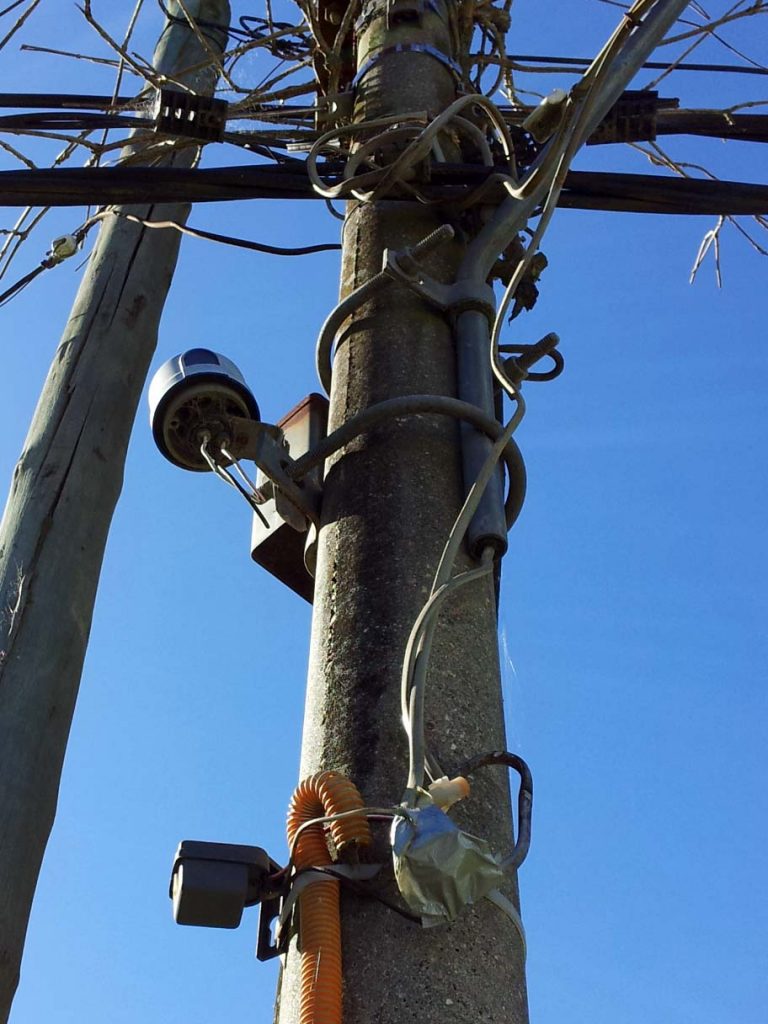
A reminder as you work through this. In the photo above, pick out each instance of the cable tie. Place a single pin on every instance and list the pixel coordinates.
(330, 873)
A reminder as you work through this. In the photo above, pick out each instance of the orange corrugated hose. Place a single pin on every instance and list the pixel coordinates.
(319, 925)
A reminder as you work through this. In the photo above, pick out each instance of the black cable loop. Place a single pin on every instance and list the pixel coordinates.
(524, 798)
(175, 19)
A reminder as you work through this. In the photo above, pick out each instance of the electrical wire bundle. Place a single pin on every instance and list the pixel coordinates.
(643, 25)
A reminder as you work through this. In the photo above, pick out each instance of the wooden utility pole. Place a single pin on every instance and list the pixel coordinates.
(65, 487)
(389, 501)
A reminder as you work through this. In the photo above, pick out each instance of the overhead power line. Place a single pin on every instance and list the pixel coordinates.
(713, 123)
(642, 193)
(67, 101)
(654, 65)
(64, 120)
(213, 236)
(57, 112)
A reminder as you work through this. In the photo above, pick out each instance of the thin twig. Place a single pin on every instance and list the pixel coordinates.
(32, 7)
(87, 13)
(121, 68)
(215, 58)
(109, 62)
(19, 156)
(758, 8)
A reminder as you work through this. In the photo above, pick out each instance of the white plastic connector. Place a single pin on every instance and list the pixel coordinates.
(544, 120)
(445, 792)
(63, 247)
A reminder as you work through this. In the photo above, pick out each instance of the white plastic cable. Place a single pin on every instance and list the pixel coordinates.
(419, 646)
(506, 906)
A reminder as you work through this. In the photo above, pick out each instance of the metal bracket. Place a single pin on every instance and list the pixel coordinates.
(262, 443)
(453, 298)
(631, 119)
(193, 117)
(267, 948)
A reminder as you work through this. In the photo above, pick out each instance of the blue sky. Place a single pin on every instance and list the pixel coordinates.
(632, 624)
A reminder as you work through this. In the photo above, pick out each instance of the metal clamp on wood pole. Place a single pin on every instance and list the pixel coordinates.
(456, 298)
(262, 444)
(359, 296)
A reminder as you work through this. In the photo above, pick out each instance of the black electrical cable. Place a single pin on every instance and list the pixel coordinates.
(68, 101)
(584, 190)
(244, 34)
(673, 121)
(50, 261)
(713, 124)
(22, 283)
(212, 236)
(243, 140)
(264, 25)
(11, 7)
(62, 120)
(284, 47)
(654, 65)
(272, 250)
(240, 243)
(524, 797)
(103, 111)
(256, 149)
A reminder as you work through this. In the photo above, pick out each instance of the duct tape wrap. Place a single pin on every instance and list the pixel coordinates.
(440, 869)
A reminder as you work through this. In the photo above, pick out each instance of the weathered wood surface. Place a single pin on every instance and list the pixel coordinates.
(64, 490)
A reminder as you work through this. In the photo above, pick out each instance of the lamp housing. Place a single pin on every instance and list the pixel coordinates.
(193, 398)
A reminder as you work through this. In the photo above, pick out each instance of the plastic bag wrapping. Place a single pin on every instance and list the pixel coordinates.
(440, 869)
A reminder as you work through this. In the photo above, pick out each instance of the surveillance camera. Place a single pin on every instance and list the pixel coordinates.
(192, 398)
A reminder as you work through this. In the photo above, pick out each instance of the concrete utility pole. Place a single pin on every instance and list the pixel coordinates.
(63, 494)
(388, 504)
